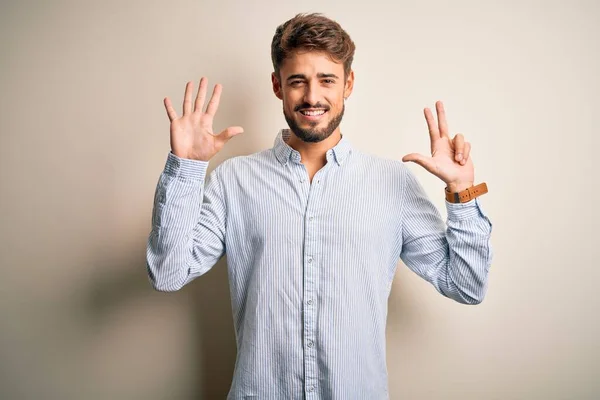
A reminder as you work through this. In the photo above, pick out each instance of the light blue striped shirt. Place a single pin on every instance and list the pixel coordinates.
(310, 265)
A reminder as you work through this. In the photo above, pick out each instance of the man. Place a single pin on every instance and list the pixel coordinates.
(312, 228)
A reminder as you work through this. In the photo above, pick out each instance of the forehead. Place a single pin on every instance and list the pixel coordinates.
(310, 63)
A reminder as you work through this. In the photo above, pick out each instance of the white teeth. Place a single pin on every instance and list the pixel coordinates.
(313, 113)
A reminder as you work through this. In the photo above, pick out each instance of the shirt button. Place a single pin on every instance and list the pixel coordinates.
(301, 180)
(310, 259)
(310, 343)
(309, 302)
(311, 388)
(311, 218)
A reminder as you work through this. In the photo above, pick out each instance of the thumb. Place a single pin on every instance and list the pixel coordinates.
(230, 132)
(423, 161)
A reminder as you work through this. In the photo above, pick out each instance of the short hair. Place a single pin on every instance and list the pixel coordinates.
(312, 32)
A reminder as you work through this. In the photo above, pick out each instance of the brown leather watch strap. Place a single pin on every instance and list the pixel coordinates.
(467, 194)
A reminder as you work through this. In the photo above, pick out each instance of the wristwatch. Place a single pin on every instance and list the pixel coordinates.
(467, 194)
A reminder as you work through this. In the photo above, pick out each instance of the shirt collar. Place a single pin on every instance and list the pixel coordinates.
(285, 152)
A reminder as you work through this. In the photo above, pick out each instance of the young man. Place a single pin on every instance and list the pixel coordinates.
(313, 228)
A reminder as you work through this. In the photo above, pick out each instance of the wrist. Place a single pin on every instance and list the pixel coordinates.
(459, 186)
(467, 194)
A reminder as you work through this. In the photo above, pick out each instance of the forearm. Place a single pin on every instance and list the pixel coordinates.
(176, 211)
(455, 256)
(464, 274)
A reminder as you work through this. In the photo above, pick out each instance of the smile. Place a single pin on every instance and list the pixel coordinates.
(312, 114)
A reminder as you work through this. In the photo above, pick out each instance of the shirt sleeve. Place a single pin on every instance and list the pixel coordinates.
(188, 224)
(454, 257)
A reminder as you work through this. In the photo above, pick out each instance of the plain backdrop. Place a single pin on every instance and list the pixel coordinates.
(84, 137)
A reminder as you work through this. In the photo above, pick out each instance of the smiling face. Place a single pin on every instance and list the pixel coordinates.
(312, 88)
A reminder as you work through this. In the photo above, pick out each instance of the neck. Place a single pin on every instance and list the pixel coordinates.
(314, 153)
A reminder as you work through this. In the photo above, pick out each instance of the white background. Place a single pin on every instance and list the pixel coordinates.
(84, 137)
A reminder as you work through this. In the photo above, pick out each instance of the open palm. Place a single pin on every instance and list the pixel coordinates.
(192, 134)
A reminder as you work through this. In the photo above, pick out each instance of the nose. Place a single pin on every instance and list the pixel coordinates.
(311, 93)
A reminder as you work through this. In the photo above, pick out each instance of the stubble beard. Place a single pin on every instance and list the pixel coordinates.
(313, 134)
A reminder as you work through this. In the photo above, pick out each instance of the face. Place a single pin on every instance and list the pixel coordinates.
(312, 88)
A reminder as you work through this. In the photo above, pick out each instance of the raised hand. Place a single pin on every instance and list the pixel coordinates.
(449, 159)
(192, 134)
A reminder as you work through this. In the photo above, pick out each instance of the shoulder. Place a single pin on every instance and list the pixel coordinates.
(379, 164)
(244, 163)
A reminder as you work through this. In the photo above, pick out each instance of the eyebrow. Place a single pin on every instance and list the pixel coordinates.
(319, 75)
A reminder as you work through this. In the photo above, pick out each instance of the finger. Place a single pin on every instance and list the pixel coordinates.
(187, 98)
(467, 153)
(199, 103)
(213, 104)
(230, 132)
(423, 161)
(170, 110)
(459, 147)
(441, 115)
(434, 134)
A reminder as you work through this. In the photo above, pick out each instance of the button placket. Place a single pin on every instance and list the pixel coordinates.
(311, 278)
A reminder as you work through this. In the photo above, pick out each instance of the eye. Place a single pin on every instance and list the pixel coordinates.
(329, 81)
(295, 83)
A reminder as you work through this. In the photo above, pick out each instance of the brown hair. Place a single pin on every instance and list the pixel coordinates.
(313, 32)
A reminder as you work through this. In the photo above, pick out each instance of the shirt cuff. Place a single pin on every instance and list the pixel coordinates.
(463, 211)
(185, 168)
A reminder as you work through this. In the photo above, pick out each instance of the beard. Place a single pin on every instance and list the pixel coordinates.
(313, 134)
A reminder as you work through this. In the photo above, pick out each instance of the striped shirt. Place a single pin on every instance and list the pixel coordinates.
(311, 264)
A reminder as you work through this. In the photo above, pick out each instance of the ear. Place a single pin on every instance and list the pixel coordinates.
(276, 86)
(349, 84)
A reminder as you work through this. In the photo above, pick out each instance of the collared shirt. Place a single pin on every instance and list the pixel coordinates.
(311, 264)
